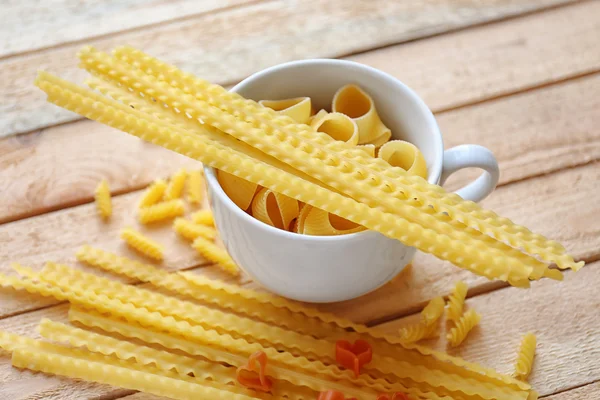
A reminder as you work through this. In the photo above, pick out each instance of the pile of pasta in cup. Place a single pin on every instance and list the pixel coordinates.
(353, 119)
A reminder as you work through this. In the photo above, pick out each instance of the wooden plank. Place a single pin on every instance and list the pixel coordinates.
(562, 206)
(39, 171)
(563, 315)
(224, 47)
(487, 61)
(57, 236)
(33, 26)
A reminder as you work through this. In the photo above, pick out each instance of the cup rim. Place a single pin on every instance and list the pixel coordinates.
(213, 182)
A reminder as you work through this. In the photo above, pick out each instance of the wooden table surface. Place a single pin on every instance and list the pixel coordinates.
(521, 77)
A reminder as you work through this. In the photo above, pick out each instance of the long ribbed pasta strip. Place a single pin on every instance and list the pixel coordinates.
(273, 309)
(208, 318)
(77, 295)
(487, 375)
(266, 335)
(93, 319)
(143, 355)
(210, 295)
(238, 164)
(469, 212)
(169, 115)
(95, 371)
(330, 167)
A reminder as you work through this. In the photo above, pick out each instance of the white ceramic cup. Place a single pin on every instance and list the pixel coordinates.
(336, 268)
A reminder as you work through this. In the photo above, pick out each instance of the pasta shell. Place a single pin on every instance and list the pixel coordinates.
(358, 105)
(405, 155)
(299, 108)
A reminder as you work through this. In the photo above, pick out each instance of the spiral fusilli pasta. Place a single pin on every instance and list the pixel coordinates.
(526, 355)
(462, 328)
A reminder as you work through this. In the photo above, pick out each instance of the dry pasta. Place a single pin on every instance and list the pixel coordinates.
(488, 271)
(314, 221)
(142, 244)
(274, 209)
(456, 301)
(176, 185)
(299, 108)
(203, 217)
(462, 328)
(405, 155)
(215, 254)
(240, 191)
(358, 105)
(191, 230)
(154, 193)
(96, 371)
(161, 211)
(367, 148)
(529, 240)
(300, 188)
(103, 201)
(337, 125)
(91, 290)
(433, 311)
(195, 187)
(416, 332)
(270, 308)
(526, 355)
(479, 252)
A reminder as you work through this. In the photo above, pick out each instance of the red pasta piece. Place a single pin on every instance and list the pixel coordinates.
(353, 356)
(333, 395)
(252, 375)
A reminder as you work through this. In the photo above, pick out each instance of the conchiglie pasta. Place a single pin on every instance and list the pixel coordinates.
(337, 125)
(316, 222)
(274, 209)
(405, 155)
(240, 191)
(299, 108)
(358, 105)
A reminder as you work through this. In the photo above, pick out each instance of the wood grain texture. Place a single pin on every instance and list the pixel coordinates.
(59, 166)
(227, 46)
(32, 25)
(563, 315)
(57, 236)
(563, 206)
(482, 62)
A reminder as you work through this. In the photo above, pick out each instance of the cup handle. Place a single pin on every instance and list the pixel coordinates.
(472, 156)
